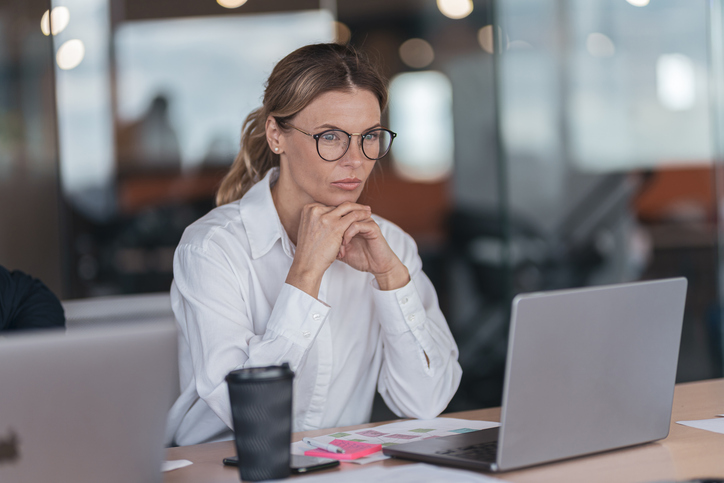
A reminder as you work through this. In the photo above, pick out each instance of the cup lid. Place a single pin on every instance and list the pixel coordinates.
(260, 373)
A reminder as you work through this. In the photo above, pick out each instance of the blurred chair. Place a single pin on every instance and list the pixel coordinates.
(592, 243)
(26, 303)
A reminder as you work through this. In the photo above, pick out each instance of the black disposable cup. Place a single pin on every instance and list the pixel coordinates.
(261, 409)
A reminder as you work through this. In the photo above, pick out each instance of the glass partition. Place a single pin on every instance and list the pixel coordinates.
(608, 141)
(542, 145)
(150, 108)
(30, 223)
(716, 109)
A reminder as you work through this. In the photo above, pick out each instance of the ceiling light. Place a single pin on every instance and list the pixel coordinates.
(599, 45)
(455, 8)
(70, 54)
(486, 41)
(342, 33)
(417, 53)
(59, 18)
(231, 3)
(676, 82)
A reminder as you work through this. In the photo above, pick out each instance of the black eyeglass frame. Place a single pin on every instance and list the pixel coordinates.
(316, 137)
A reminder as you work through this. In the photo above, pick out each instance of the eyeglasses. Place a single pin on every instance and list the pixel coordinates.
(334, 143)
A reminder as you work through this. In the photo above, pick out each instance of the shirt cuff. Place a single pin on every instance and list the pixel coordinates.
(297, 316)
(399, 310)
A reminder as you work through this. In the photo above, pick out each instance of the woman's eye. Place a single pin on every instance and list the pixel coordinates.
(372, 136)
(329, 137)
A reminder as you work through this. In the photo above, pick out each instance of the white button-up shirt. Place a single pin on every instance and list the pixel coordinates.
(235, 310)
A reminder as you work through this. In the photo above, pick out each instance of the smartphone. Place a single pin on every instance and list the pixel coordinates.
(298, 463)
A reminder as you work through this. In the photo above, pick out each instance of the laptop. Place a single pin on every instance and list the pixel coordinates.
(587, 370)
(86, 405)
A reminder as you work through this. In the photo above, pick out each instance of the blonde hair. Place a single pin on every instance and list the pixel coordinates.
(295, 82)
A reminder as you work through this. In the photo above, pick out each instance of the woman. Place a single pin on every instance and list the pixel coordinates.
(290, 268)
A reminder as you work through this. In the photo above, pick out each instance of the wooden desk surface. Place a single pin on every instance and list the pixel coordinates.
(685, 453)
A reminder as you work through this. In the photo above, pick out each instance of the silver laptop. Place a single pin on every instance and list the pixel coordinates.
(587, 370)
(86, 406)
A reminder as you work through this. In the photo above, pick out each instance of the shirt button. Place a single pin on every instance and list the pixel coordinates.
(316, 316)
(405, 300)
(306, 334)
(411, 317)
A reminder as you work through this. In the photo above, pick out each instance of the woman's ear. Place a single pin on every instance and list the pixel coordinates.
(274, 135)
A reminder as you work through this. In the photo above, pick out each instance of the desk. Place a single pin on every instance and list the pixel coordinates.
(685, 453)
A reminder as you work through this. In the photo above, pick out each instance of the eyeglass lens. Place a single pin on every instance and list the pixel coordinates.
(333, 144)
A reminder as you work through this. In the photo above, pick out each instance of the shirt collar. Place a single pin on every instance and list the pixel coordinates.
(261, 220)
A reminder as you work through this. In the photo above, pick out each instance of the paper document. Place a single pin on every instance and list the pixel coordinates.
(716, 425)
(396, 433)
(174, 464)
(413, 473)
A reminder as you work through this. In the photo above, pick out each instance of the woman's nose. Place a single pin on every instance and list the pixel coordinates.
(354, 155)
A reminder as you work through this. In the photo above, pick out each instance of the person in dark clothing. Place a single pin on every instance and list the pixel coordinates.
(27, 304)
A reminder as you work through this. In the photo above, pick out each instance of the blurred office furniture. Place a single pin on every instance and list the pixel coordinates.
(118, 309)
(527, 217)
(133, 253)
(686, 453)
(494, 255)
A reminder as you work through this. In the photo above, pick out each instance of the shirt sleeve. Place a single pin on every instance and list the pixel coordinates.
(413, 327)
(212, 308)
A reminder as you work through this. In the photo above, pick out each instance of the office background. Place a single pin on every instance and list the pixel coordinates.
(542, 145)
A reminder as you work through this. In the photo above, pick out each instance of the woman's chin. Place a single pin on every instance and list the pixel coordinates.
(339, 198)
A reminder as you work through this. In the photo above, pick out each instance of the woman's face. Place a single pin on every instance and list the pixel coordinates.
(304, 176)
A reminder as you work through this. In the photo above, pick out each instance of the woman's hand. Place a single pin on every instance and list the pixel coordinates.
(364, 248)
(348, 233)
(320, 236)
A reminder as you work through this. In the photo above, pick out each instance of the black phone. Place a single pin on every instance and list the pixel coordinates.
(298, 463)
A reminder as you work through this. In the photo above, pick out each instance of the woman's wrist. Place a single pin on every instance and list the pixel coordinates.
(393, 279)
(307, 280)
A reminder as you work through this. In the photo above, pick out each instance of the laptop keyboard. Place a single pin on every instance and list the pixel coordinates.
(486, 451)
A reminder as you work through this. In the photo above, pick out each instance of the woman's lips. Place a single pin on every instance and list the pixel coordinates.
(348, 184)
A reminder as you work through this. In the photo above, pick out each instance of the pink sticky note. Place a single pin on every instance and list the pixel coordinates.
(353, 450)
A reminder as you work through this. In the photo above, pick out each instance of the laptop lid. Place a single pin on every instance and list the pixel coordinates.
(589, 370)
(88, 405)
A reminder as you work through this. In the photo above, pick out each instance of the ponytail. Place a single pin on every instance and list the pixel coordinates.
(252, 163)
